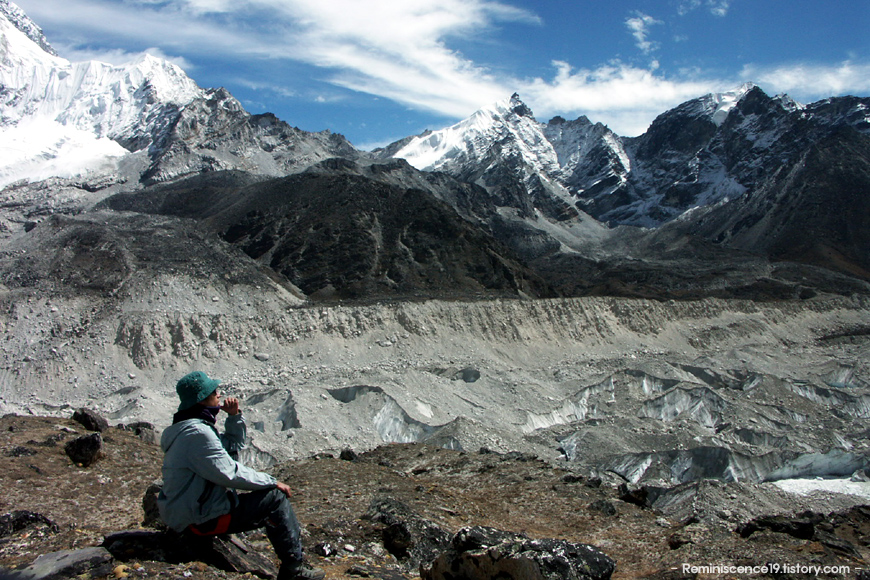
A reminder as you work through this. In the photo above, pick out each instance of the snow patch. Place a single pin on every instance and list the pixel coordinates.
(808, 486)
(36, 149)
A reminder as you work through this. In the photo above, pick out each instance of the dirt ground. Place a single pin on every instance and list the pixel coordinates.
(451, 489)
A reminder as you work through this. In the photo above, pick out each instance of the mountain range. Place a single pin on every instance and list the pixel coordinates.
(732, 194)
(687, 305)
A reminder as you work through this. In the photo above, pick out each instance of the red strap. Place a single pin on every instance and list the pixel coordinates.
(221, 526)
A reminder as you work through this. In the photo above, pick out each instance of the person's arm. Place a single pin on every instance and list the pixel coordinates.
(235, 435)
(284, 488)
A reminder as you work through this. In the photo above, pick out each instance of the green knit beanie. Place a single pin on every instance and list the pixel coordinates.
(193, 388)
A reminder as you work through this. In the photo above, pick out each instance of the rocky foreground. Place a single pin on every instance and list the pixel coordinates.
(388, 512)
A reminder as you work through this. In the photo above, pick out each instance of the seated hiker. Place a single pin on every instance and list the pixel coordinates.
(201, 474)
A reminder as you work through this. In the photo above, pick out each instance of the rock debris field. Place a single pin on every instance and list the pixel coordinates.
(723, 395)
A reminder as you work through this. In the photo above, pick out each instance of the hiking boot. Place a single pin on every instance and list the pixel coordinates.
(299, 571)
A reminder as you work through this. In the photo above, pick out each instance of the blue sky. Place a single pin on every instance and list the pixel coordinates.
(380, 70)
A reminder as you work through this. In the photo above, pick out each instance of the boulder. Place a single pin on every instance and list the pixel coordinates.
(90, 420)
(481, 553)
(85, 450)
(602, 505)
(152, 517)
(801, 526)
(144, 430)
(643, 496)
(18, 520)
(468, 375)
(348, 455)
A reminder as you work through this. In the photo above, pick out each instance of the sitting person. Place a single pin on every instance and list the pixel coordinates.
(201, 474)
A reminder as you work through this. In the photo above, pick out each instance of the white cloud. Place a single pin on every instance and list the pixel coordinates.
(639, 26)
(626, 98)
(119, 57)
(811, 81)
(719, 7)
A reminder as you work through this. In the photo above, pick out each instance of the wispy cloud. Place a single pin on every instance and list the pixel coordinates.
(639, 26)
(406, 52)
(119, 56)
(716, 7)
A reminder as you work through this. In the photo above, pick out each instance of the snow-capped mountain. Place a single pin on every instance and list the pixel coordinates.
(545, 192)
(22, 22)
(144, 121)
(584, 165)
(62, 119)
(503, 148)
(694, 155)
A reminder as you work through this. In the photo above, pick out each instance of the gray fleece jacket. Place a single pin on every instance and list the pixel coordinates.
(198, 471)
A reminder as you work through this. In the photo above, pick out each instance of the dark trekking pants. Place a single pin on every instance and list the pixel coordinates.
(265, 508)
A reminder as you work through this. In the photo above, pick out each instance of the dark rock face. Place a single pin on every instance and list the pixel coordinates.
(808, 210)
(85, 450)
(341, 231)
(346, 237)
(480, 553)
(411, 539)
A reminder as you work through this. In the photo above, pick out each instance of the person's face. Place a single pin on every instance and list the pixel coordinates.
(213, 400)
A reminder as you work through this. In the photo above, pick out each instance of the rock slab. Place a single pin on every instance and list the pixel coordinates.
(95, 562)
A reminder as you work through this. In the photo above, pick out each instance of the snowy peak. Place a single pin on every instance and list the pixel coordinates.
(717, 105)
(18, 50)
(140, 123)
(23, 23)
(66, 119)
(469, 140)
(503, 148)
(519, 108)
